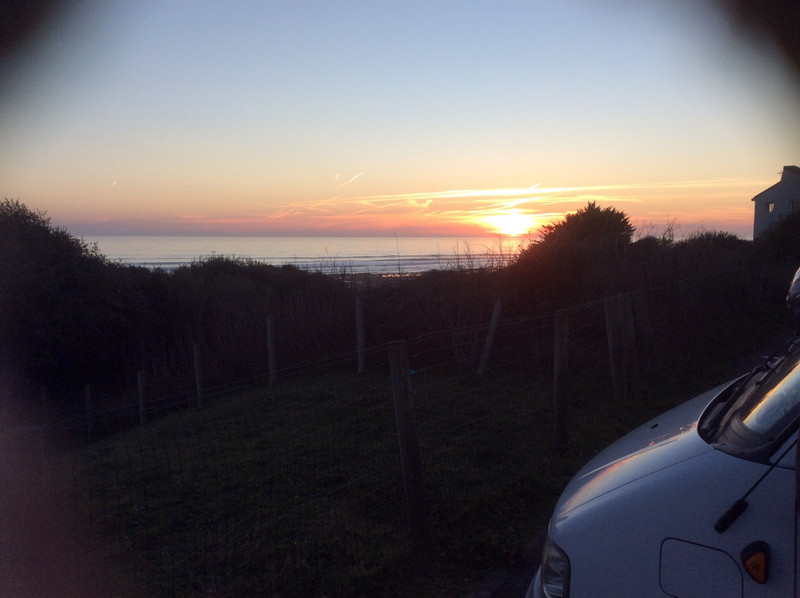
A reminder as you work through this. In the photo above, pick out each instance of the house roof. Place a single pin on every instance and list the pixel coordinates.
(767, 193)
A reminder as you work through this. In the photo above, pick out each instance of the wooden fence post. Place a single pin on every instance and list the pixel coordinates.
(630, 357)
(360, 332)
(560, 378)
(140, 385)
(410, 457)
(271, 350)
(686, 292)
(488, 345)
(642, 315)
(87, 393)
(43, 439)
(198, 374)
(44, 409)
(614, 343)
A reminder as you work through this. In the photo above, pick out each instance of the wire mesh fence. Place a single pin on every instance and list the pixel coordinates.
(296, 487)
(272, 488)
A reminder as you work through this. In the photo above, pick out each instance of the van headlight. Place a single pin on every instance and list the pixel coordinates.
(554, 573)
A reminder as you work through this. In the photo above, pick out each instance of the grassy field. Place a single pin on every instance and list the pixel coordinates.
(296, 490)
(299, 490)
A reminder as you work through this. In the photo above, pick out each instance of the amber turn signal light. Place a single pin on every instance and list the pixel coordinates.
(755, 558)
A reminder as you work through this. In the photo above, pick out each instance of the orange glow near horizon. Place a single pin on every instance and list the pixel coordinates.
(433, 128)
(512, 211)
(507, 211)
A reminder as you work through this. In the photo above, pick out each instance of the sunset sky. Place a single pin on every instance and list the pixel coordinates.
(403, 117)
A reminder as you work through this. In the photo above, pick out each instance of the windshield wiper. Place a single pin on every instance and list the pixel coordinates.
(715, 418)
(719, 414)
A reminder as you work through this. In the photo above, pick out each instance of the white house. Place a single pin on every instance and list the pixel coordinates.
(776, 202)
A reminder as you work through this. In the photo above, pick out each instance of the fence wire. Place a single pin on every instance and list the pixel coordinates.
(295, 488)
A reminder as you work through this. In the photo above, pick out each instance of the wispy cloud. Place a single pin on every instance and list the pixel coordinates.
(352, 179)
(477, 207)
(535, 193)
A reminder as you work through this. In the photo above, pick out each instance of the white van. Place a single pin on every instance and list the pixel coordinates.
(793, 298)
(700, 502)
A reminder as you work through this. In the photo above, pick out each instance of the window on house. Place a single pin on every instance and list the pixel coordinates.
(770, 205)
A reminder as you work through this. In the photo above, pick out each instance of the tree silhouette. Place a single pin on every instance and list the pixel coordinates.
(49, 296)
(575, 259)
(590, 225)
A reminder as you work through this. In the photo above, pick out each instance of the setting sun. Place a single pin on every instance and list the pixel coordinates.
(512, 223)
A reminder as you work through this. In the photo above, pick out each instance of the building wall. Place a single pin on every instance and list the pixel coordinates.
(778, 201)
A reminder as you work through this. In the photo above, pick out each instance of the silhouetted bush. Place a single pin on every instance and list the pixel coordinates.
(69, 317)
(575, 260)
(781, 241)
(590, 225)
(51, 306)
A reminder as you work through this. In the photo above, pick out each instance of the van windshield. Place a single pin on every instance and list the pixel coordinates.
(763, 409)
(772, 410)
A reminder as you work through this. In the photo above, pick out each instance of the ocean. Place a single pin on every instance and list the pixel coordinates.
(376, 255)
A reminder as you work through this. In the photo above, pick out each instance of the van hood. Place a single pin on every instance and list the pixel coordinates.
(664, 441)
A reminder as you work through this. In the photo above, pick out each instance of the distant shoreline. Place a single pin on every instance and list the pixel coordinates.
(388, 256)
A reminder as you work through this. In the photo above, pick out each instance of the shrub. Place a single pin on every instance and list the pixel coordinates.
(48, 296)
